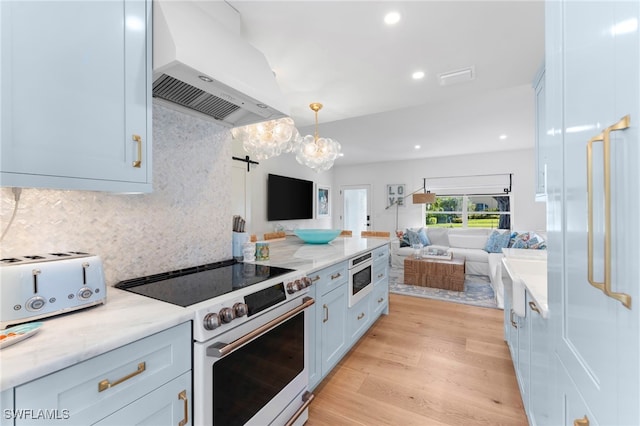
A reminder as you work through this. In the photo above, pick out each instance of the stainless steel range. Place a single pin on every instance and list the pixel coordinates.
(250, 351)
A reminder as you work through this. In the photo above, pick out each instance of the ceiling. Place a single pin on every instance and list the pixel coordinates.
(342, 54)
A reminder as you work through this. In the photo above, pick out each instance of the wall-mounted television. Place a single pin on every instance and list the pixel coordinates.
(289, 198)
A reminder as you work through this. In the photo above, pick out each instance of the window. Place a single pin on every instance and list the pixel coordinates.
(470, 211)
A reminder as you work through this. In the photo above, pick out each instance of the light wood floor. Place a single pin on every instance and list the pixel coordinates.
(426, 363)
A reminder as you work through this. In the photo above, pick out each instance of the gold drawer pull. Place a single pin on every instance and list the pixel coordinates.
(105, 384)
(138, 140)
(581, 422)
(605, 138)
(533, 307)
(183, 396)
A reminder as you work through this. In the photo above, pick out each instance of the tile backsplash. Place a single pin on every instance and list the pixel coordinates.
(185, 221)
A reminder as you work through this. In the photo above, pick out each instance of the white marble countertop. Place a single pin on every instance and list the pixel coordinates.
(68, 339)
(295, 254)
(531, 270)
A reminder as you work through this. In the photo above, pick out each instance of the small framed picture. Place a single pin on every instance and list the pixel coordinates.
(323, 201)
(395, 195)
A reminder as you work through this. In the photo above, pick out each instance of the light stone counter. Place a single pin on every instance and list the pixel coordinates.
(68, 339)
(295, 254)
(528, 272)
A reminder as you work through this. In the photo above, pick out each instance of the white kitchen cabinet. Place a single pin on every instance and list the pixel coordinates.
(168, 405)
(592, 68)
(541, 150)
(6, 406)
(94, 389)
(76, 94)
(359, 318)
(540, 371)
(333, 326)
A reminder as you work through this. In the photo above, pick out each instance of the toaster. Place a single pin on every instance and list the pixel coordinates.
(40, 286)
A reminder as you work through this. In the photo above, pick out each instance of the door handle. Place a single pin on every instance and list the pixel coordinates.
(605, 138)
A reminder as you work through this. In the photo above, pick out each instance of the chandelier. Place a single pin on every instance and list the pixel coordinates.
(316, 152)
(267, 139)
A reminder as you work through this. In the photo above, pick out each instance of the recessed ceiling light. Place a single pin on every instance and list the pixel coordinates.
(392, 18)
(503, 137)
(417, 147)
(418, 75)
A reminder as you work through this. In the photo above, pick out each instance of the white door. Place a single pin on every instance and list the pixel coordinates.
(356, 208)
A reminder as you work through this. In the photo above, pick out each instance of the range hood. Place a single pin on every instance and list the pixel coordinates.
(202, 68)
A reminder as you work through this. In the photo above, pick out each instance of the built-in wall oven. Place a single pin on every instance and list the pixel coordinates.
(250, 350)
(360, 282)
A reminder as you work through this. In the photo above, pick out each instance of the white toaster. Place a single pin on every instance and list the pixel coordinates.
(44, 285)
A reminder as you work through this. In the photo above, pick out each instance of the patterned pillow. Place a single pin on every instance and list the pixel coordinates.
(413, 237)
(497, 241)
(527, 240)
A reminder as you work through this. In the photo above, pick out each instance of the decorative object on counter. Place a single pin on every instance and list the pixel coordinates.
(238, 241)
(375, 234)
(317, 236)
(267, 139)
(262, 251)
(18, 333)
(316, 152)
(249, 251)
(278, 235)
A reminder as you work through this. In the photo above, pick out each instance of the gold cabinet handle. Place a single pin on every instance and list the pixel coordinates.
(513, 323)
(605, 137)
(534, 307)
(361, 316)
(106, 384)
(183, 396)
(581, 422)
(138, 140)
(326, 313)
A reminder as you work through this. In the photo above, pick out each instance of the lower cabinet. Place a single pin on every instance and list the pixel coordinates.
(144, 382)
(528, 341)
(6, 406)
(335, 327)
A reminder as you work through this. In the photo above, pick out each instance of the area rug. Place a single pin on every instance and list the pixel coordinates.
(477, 290)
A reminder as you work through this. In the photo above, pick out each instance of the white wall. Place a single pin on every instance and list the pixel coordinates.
(284, 165)
(527, 214)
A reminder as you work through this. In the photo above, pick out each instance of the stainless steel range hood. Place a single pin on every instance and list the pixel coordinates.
(202, 68)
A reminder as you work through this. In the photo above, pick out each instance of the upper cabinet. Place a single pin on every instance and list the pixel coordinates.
(76, 94)
(540, 141)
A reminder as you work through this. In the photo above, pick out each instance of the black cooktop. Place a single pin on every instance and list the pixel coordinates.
(185, 287)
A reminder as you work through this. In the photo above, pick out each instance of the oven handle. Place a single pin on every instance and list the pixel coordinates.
(218, 350)
(307, 397)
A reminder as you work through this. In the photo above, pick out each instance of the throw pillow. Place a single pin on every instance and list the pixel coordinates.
(413, 236)
(497, 241)
(527, 240)
(424, 239)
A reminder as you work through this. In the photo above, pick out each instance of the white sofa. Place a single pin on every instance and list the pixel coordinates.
(468, 242)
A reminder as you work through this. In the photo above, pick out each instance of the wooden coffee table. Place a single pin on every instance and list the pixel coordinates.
(437, 273)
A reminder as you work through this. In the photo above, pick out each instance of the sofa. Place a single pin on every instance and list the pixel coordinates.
(481, 247)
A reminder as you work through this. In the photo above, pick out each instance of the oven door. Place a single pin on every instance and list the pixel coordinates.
(359, 282)
(256, 373)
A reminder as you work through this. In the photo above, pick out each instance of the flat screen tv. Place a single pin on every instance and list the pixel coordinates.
(289, 198)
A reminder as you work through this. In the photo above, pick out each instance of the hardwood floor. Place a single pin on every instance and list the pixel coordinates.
(426, 363)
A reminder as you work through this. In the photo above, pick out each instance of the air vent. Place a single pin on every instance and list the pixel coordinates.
(176, 91)
(457, 76)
